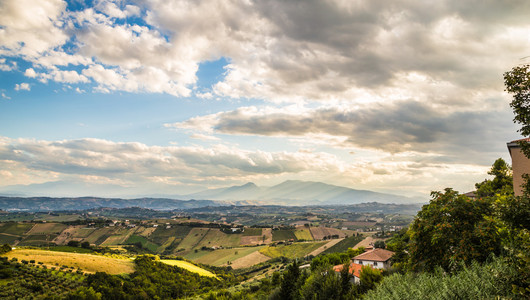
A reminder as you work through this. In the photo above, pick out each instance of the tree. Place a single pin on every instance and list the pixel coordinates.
(517, 83)
(289, 287)
(380, 244)
(369, 278)
(501, 184)
(453, 227)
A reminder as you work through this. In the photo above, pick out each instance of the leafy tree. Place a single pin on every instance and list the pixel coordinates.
(452, 227)
(502, 183)
(5, 248)
(369, 278)
(73, 243)
(517, 83)
(289, 287)
(380, 244)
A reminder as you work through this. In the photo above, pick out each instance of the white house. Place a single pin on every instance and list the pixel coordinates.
(376, 258)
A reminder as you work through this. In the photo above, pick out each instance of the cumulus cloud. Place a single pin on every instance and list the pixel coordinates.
(149, 166)
(22, 87)
(393, 127)
(104, 158)
(278, 50)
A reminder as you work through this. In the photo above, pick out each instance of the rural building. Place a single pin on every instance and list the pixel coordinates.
(520, 165)
(377, 258)
(354, 270)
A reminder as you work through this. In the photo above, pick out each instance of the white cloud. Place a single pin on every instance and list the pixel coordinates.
(136, 163)
(22, 87)
(5, 96)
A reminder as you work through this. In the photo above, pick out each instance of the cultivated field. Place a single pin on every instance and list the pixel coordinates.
(319, 233)
(86, 262)
(188, 266)
(253, 258)
(193, 238)
(283, 235)
(47, 228)
(216, 238)
(303, 233)
(222, 256)
(295, 250)
(252, 232)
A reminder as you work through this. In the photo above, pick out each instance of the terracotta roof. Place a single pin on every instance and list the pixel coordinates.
(377, 254)
(355, 269)
(521, 140)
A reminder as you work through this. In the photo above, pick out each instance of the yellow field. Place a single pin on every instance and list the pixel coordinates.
(303, 233)
(87, 262)
(188, 266)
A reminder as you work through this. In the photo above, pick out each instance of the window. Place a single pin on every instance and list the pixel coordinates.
(375, 264)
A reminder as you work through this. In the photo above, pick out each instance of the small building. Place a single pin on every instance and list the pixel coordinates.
(376, 258)
(520, 165)
(471, 195)
(354, 270)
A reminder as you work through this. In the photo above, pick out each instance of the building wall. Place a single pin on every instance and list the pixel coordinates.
(373, 264)
(520, 166)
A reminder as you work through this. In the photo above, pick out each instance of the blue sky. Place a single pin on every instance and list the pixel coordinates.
(168, 97)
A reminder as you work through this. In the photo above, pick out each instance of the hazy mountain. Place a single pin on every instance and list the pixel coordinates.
(82, 203)
(294, 192)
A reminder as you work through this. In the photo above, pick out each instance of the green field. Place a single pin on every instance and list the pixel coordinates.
(343, 245)
(37, 239)
(15, 228)
(283, 235)
(145, 242)
(188, 266)
(252, 232)
(215, 238)
(82, 232)
(8, 239)
(99, 235)
(221, 256)
(161, 234)
(303, 234)
(295, 250)
(193, 238)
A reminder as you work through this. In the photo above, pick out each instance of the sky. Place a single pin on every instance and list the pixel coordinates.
(159, 97)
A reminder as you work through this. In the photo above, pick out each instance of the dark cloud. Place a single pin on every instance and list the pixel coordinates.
(395, 127)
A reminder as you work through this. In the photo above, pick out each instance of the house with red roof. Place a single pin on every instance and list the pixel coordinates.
(354, 270)
(520, 165)
(377, 258)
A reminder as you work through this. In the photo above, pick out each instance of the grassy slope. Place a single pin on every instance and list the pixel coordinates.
(283, 235)
(252, 232)
(87, 262)
(215, 237)
(188, 266)
(221, 256)
(303, 234)
(343, 245)
(193, 238)
(291, 251)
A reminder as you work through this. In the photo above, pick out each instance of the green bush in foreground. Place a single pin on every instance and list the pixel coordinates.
(478, 281)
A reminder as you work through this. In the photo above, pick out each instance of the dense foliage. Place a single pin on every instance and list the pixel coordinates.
(153, 280)
(478, 281)
(517, 82)
(26, 280)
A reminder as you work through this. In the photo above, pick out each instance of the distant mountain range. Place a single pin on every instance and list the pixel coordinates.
(291, 192)
(294, 192)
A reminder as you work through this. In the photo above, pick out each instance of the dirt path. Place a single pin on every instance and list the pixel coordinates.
(324, 247)
(253, 258)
